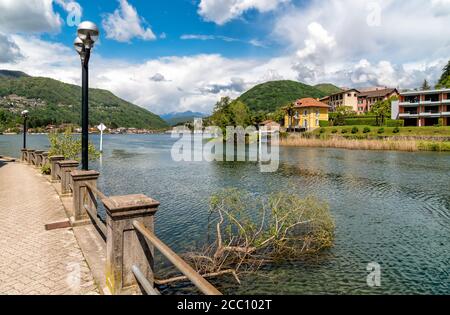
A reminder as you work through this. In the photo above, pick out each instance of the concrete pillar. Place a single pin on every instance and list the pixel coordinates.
(30, 156)
(65, 168)
(126, 247)
(24, 155)
(54, 165)
(38, 157)
(79, 181)
(44, 158)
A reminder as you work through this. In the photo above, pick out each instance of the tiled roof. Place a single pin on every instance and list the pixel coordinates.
(309, 102)
(378, 93)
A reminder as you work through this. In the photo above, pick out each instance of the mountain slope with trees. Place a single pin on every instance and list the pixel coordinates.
(270, 96)
(53, 102)
(328, 88)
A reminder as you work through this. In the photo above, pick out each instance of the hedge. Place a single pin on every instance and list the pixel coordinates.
(324, 123)
(394, 123)
(360, 122)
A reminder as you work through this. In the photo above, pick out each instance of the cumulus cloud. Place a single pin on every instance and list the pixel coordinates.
(221, 12)
(10, 52)
(352, 41)
(32, 16)
(125, 24)
(158, 77)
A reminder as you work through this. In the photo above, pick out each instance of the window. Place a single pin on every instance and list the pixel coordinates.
(317, 122)
(317, 113)
(305, 113)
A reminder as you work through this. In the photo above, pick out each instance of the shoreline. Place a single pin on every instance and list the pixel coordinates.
(411, 145)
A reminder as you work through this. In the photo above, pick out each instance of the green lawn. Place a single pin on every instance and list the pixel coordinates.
(388, 131)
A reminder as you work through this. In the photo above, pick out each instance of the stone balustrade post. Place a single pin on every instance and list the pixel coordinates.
(79, 181)
(125, 246)
(65, 168)
(30, 156)
(54, 165)
(44, 158)
(24, 155)
(37, 158)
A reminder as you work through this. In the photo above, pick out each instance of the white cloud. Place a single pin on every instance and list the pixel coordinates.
(125, 24)
(221, 12)
(332, 37)
(32, 16)
(253, 42)
(10, 52)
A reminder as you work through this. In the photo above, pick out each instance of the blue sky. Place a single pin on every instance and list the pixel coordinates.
(179, 55)
(170, 21)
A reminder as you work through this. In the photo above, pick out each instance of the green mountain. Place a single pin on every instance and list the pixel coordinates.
(328, 88)
(270, 96)
(53, 102)
(12, 74)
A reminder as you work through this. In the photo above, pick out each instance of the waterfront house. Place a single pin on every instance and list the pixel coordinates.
(368, 98)
(306, 114)
(423, 108)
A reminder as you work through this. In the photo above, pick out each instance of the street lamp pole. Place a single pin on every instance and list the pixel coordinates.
(25, 127)
(85, 112)
(87, 35)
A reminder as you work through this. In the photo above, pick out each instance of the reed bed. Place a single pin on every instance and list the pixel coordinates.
(351, 144)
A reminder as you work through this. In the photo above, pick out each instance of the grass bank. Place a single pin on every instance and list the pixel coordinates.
(365, 144)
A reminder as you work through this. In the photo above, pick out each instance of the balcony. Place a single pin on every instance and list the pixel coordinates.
(446, 114)
(446, 101)
(409, 104)
(429, 102)
(430, 114)
(409, 115)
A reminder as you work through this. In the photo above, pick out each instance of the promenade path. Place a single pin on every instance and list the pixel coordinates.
(34, 261)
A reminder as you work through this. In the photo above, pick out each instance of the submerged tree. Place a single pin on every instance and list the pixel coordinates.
(284, 227)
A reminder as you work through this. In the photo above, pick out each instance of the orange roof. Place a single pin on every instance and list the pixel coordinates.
(309, 102)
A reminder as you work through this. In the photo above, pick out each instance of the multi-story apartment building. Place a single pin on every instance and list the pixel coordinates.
(367, 99)
(423, 108)
(348, 98)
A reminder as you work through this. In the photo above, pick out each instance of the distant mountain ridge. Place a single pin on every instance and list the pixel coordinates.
(270, 96)
(54, 102)
(175, 118)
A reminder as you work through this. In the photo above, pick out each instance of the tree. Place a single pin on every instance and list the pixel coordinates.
(251, 231)
(425, 85)
(69, 147)
(382, 109)
(230, 113)
(444, 81)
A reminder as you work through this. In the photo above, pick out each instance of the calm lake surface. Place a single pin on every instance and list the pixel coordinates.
(392, 208)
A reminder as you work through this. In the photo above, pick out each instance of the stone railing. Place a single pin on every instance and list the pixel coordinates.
(128, 231)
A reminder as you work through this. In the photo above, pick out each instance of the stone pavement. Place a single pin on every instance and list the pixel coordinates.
(34, 261)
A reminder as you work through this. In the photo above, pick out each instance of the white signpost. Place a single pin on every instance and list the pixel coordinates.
(102, 128)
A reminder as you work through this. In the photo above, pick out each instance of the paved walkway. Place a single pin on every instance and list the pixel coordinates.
(34, 261)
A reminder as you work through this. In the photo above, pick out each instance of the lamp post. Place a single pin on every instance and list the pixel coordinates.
(25, 118)
(88, 34)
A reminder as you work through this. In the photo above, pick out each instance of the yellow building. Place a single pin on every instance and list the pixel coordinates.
(306, 114)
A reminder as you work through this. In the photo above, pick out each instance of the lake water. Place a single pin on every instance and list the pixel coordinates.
(392, 208)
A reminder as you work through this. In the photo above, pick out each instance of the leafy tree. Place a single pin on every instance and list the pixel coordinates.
(444, 81)
(230, 113)
(382, 109)
(69, 147)
(425, 85)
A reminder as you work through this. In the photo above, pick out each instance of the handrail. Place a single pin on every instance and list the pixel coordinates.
(94, 216)
(203, 285)
(145, 284)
